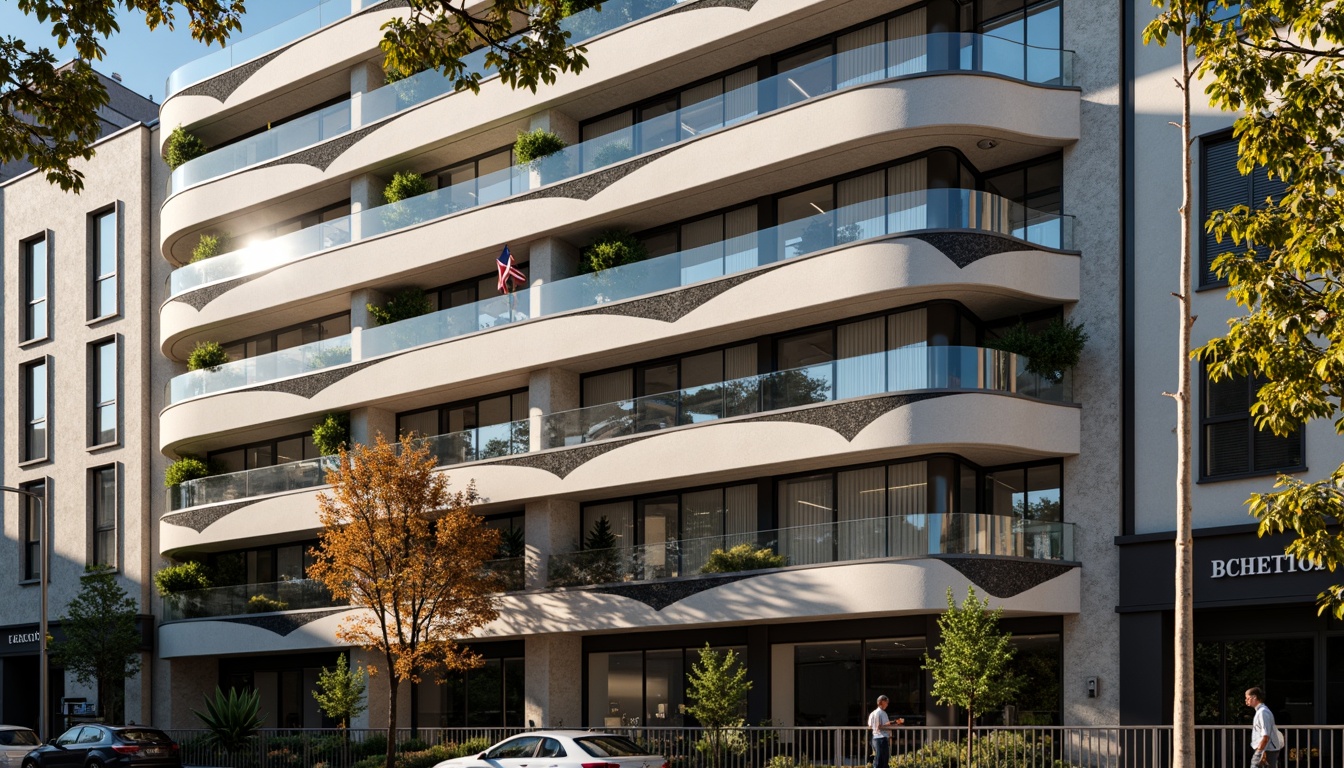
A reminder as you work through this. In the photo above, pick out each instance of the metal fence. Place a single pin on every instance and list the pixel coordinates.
(781, 747)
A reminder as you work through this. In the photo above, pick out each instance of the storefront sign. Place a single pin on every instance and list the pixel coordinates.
(22, 638)
(1264, 565)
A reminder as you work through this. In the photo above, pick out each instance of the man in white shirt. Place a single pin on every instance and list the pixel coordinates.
(880, 724)
(1264, 732)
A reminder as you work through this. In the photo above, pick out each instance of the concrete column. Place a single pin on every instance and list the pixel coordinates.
(367, 423)
(549, 390)
(548, 259)
(361, 319)
(377, 691)
(554, 681)
(360, 658)
(366, 191)
(184, 687)
(557, 122)
(364, 77)
(552, 527)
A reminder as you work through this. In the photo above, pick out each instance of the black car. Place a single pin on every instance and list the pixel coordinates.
(107, 746)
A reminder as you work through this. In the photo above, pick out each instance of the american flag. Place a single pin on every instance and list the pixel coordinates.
(508, 273)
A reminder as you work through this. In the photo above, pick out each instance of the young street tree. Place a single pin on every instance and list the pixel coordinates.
(102, 644)
(972, 669)
(49, 114)
(400, 545)
(716, 688)
(340, 692)
(1282, 67)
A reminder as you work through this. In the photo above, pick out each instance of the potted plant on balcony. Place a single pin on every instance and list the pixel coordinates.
(403, 186)
(743, 557)
(180, 585)
(332, 433)
(182, 147)
(1051, 350)
(610, 249)
(538, 149)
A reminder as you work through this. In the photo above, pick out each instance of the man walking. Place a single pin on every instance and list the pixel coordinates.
(1264, 733)
(881, 725)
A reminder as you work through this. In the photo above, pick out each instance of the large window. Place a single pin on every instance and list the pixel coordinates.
(32, 530)
(293, 336)
(103, 515)
(642, 688)
(482, 180)
(473, 429)
(489, 696)
(103, 264)
(1233, 445)
(35, 405)
(104, 384)
(332, 220)
(1037, 24)
(1284, 667)
(678, 531)
(1222, 187)
(35, 311)
(267, 453)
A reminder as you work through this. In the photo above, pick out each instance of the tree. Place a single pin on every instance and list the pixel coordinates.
(1282, 67)
(102, 643)
(716, 688)
(397, 543)
(340, 692)
(49, 114)
(438, 34)
(1189, 23)
(973, 666)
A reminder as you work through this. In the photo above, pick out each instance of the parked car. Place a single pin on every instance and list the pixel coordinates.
(107, 746)
(561, 749)
(15, 742)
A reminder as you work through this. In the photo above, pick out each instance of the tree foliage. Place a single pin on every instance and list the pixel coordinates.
(1281, 65)
(397, 543)
(438, 34)
(340, 691)
(973, 667)
(49, 113)
(332, 433)
(716, 689)
(102, 644)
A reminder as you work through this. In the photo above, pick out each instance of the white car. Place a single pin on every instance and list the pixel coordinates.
(561, 749)
(16, 742)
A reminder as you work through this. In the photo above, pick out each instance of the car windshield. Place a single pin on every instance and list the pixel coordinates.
(19, 739)
(144, 734)
(610, 746)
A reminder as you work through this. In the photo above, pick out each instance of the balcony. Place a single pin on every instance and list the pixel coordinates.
(879, 218)
(901, 370)
(890, 537)
(290, 595)
(928, 54)
(263, 42)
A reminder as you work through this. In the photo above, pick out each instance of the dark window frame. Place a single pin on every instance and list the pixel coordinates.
(98, 519)
(97, 398)
(96, 277)
(1205, 279)
(33, 514)
(27, 246)
(1252, 383)
(475, 402)
(30, 419)
(272, 443)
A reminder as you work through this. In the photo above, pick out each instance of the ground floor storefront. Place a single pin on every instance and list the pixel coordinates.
(1256, 625)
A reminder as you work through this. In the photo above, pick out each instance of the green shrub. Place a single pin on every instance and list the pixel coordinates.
(469, 747)
(743, 557)
(1050, 351)
(373, 745)
(332, 433)
(264, 604)
(614, 152)
(233, 720)
(405, 185)
(186, 468)
(412, 745)
(532, 146)
(409, 303)
(208, 247)
(207, 356)
(182, 577)
(181, 147)
(612, 248)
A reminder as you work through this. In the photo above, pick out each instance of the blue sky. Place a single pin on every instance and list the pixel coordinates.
(143, 58)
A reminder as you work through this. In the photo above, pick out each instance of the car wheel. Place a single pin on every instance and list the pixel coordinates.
(29, 764)
(93, 764)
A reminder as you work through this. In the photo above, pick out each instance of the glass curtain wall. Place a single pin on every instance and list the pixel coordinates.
(643, 688)
(481, 428)
(677, 532)
(836, 683)
(288, 338)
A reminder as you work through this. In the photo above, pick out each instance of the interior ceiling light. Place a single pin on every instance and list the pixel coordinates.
(987, 143)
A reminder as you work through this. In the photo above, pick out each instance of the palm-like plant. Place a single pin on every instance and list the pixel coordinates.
(233, 720)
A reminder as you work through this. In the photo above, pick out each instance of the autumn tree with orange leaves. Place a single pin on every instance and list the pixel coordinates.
(399, 544)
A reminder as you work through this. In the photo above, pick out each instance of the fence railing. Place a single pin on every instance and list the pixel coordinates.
(817, 747)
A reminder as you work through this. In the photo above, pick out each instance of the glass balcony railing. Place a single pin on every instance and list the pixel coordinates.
(877, 218)
(898, 370)
(293, 595)
(263, 42)
(941, 52)
(488, 442)
(894, 536)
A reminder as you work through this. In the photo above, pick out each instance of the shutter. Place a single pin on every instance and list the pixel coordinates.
(1263, 188)
(1226, 448)
(1274, 452)
(1221, 188)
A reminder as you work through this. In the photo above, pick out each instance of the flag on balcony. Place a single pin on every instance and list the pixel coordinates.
(508, 273)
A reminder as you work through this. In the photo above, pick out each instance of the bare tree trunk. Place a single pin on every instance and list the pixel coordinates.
(1183, 710)
(392, 683)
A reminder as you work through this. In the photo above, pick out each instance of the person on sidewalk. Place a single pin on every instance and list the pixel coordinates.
(881, 725)
(1264, 732)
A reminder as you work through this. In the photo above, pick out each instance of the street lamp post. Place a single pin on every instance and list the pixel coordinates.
(44, 693)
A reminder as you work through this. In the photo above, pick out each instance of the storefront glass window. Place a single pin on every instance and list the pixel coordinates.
(1334, 680)
(664, 686)
(893, 670)
(615, 689)
(828, 684)
(1283, 667)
